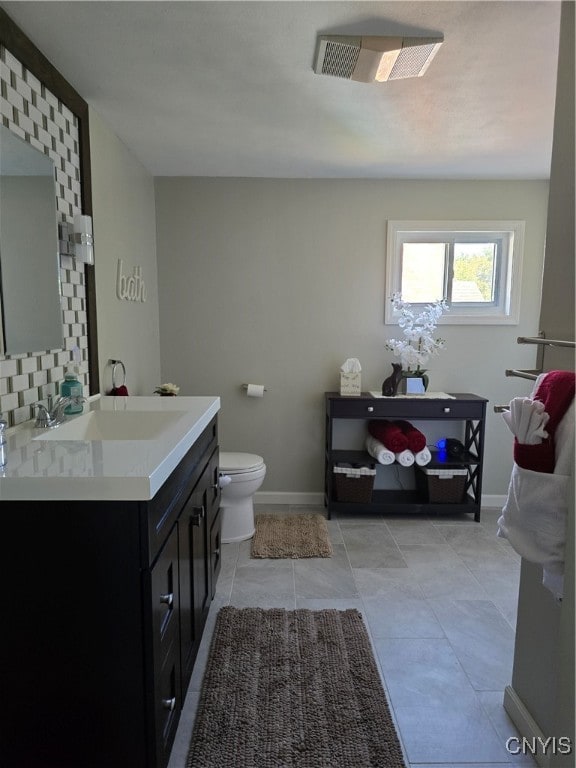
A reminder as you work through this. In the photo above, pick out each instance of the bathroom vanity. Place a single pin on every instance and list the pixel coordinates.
(110, 556)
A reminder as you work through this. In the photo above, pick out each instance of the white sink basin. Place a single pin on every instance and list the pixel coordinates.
(113, 425)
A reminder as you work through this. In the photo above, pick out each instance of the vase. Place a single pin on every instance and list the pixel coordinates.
(390, 385)
(413, 382)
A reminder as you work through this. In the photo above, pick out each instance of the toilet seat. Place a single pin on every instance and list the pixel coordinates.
(239, 463)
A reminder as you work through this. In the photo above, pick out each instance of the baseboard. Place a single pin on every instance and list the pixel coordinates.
(493, 501)
(525, 723)
(289, 497)
(317, 499)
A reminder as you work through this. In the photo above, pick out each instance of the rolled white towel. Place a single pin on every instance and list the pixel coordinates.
(423, 457)
(406, 458)
(377, 449)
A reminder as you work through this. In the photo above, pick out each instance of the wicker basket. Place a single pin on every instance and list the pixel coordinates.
(444, 486)
(354, 484)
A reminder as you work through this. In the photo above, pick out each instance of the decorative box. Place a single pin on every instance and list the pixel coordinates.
(350, 384)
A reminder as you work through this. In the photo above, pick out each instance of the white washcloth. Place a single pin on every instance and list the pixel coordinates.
(377, 449)
(406, 458)
(423, 457)
(526, 420)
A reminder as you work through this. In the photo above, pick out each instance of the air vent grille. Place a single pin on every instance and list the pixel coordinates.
(411, 60)
(340, 59)
(374, 58)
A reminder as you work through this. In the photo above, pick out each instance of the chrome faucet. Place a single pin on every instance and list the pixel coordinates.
(53, 415)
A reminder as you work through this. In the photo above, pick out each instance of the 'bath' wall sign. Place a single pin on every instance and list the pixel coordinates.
(131, 288)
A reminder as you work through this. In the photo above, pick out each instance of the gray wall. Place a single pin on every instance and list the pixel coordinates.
(124, 228)
(279, 281)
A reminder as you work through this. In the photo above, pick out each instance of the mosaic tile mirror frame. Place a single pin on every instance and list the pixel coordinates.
(43, 109)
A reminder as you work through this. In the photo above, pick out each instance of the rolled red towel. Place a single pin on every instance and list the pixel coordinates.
(119, 391)
(416, 439)
(389, 435)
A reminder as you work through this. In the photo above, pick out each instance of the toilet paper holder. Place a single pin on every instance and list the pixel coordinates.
(254, 390)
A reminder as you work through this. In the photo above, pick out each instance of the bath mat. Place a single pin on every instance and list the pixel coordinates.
(294, 536)
(292, 689)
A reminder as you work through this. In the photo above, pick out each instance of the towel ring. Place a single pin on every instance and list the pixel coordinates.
(115, 364)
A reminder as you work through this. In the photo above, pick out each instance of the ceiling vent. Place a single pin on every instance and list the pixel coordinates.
(367, 59)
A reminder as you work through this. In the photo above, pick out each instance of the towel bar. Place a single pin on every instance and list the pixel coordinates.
(546, 342)
(532, 375)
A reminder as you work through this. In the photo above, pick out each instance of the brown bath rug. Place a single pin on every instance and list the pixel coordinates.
(292, 689)
(294, 536)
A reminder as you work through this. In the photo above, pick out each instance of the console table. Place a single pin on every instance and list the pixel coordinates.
(468, 409)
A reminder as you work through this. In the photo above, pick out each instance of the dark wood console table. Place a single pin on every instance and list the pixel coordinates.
(468, 409)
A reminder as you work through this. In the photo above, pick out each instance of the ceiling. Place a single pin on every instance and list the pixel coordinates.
(227, 88)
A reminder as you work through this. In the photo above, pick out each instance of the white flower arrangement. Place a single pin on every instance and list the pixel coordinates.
(418, 343)
(167, 389)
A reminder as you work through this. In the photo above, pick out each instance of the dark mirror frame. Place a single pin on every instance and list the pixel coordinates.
(12, 37)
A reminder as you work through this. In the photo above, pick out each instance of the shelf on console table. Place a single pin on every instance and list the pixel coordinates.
(467, 408)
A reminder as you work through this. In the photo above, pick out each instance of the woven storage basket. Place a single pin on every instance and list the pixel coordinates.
(354, 484)
(445, 486)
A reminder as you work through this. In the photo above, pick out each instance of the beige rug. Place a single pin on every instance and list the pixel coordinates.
(292, 689)
(293, 536)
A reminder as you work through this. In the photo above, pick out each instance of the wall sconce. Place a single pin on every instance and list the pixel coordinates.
(76, 239)
(83, 240)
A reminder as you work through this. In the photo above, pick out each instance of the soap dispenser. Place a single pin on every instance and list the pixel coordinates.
(3, 457)
(71, 387)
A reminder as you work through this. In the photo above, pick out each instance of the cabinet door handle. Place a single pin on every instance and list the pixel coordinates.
(168, 599)
(169, 703)
(370, 409)
(198, 515)
(446, 409)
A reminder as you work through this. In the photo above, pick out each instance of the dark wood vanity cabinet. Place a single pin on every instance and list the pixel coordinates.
(199, 543)
(104, 604)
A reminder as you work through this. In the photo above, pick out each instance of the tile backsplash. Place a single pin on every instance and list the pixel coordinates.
(32, 112)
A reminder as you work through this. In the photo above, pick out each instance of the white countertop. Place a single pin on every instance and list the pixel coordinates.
(41, 469)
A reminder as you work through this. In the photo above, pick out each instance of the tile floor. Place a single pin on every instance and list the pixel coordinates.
(438, 596)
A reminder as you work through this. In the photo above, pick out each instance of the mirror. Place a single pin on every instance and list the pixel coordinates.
(31, 315)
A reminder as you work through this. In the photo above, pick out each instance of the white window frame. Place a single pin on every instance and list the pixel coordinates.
(505, 311)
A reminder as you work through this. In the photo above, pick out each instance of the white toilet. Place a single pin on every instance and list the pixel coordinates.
(246, 472)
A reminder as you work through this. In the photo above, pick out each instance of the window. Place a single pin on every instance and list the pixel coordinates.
(474, 265)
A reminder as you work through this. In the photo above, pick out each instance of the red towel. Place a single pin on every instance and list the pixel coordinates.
(389, 435)
(556, 391)
(416, 439)
(119, 391)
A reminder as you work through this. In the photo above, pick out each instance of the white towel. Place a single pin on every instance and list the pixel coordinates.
(423, 457)
(377, 449)
(406, 458)
(534, 516)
